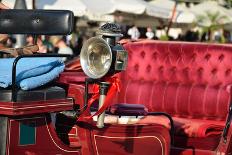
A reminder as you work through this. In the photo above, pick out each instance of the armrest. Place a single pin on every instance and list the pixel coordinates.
(138, 110)
(125, 109)
(77, 92)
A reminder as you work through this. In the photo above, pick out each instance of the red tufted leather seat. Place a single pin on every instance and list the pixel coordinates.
(190, 81)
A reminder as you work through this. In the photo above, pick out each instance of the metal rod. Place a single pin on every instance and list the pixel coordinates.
(20, 38)
(110, 40)
(171, 123)
(172, 17)
(101, 117)
(35, 39)
(103, 92)
(86, 94)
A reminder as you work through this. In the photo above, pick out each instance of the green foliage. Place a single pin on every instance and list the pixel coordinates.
(215, 20)
(222, 39)
(228, 3)
(164, 38)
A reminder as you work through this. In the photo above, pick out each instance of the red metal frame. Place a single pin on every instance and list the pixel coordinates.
(35, 107)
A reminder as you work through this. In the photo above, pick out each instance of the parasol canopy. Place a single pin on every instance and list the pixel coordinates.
(77, 6)
(164, 8)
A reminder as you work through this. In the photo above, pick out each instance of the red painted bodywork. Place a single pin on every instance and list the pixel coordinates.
(124, 139)
(190, 81)
(47, 141)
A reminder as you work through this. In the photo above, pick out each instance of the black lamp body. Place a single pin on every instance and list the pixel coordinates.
(119, 56)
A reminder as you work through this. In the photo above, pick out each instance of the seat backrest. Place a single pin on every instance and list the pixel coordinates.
(183, 79)
(36, 22)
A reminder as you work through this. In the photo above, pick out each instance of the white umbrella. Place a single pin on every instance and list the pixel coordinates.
(124, 11)
(99, 10)
(134, 12)
(163, 9)
(78, 8)
(165, 5)
(137, 11)
(113, 6)
(99, 7)
(211, 7)
(130, 6)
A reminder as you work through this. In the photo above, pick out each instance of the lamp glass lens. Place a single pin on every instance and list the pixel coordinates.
(99, 59)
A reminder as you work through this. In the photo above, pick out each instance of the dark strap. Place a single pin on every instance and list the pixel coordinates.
(227, 126)
(172, 130)
(36, 22)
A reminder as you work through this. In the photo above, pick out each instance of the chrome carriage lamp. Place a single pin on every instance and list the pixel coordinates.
(102, 57)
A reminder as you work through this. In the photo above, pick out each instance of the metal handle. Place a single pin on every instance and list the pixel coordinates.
(103, 91)
(101, 117)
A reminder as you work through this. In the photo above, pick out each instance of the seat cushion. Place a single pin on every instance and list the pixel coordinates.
(189, 133)
(41, 94)
(195, 128)
(206, 143)
(198, 128)
(183, 127)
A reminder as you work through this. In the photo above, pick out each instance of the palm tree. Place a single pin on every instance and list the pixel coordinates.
(228, 3)
(211, 21)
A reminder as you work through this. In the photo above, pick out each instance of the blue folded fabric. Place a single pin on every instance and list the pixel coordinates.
(30, 72)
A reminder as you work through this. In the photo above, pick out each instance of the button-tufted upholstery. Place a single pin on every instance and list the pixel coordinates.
(190, 81)
(185, 80)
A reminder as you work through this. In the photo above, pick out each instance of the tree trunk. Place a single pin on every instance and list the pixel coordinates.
(211, 35)
(172, 17)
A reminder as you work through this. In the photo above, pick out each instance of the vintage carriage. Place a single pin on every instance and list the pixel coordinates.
(174, 97)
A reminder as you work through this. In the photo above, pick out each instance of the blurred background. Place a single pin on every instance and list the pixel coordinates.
(175, 20)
